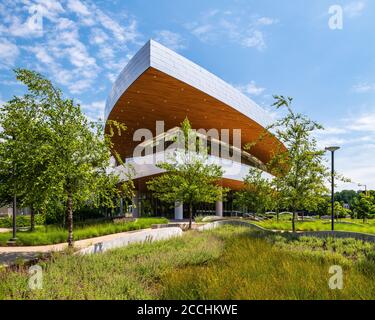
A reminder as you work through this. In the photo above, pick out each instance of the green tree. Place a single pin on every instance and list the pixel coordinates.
(323, 203)
(340, 211)
(55, 152)
(300, 171)
(188, 178)
(364, 206)
(24, 153)
(257, 192)
(346, 196)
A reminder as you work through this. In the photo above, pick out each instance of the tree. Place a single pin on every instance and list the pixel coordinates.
(69, 155)
(363, 206)
(346, 196)
(24, 153)
(299, 170)
(323, 203)
(188, 178)
(257, 192)
(340, 211)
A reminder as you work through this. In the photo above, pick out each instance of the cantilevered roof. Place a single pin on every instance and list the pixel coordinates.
(159, 84)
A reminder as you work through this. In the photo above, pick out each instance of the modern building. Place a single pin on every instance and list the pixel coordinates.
(160, 85)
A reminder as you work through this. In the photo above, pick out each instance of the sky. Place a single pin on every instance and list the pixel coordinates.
(298, 48)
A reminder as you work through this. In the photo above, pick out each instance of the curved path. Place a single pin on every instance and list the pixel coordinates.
(9, 255)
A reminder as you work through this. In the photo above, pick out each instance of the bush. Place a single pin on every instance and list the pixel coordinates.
(44, 235)
(21, 221)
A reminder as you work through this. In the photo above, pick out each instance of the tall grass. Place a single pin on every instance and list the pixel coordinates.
(44, 235)
(321, 225)
(128, 273)
(253, 268)
(226, 263)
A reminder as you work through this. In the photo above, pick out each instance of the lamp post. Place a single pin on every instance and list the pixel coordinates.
(363, 185)
(332, 149)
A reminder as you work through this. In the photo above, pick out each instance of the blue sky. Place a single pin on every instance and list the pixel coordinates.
(262, 47)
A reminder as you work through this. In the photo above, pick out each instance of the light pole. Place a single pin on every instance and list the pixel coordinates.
(332, 149)
(363, 185)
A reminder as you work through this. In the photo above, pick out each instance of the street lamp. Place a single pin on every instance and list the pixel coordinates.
(363, 185)
(332, 149)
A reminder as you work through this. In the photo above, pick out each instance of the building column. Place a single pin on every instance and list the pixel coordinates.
(178, 210)
(219, 208)
(135, 210)
(121, 206)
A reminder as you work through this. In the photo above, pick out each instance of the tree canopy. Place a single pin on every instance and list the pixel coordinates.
(50, 150)
(189, 178)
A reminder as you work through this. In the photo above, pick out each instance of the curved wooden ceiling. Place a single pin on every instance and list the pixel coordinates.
(157, 96)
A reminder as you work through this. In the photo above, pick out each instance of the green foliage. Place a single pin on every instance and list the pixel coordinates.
(351, 225)
(51, 152)
(299, 172)
(226, 263)
(257, 193)
(364, 206)
(339, 210)
(188, 178)
(127, 273)
(346, 196)
(45, 235)
(22, 221)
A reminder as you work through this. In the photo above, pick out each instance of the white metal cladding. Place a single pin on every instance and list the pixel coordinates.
(155, 55)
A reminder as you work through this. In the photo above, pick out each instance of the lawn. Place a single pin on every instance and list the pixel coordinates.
(226, 263)
(44, 235)
(354, 225)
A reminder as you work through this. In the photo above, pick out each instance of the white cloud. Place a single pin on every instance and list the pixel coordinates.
(331, 130)
(170, 39)
(94, 110)
(254, 40)
(98, 36)
(266, 21)
(77, 42)
(354, 9)
(364, 87)
(252, 89)
(78, 7)
(236, 27)
(364, 122)
(8, 53)
(355, 136)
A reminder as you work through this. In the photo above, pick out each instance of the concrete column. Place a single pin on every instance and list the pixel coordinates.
(178, 210)
(219, 208)
(121, 206)
(135, 210)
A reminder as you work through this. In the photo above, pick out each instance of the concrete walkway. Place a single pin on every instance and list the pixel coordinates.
(4, 230)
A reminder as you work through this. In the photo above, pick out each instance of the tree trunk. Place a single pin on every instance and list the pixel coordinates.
(32, 219)
(277, 215)
(190, 214)
(69, 218)
(294, 221)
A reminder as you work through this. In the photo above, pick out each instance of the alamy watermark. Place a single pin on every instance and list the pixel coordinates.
(217, 145)
(336, 19)
(336, 281)
(36, 277)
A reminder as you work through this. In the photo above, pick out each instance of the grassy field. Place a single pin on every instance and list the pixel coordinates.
(44, 235)
(353, 225)
(227, 263)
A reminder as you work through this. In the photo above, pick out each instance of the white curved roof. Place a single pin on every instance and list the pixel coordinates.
(155, 55)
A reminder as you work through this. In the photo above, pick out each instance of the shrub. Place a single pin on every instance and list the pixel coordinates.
(21, 221)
